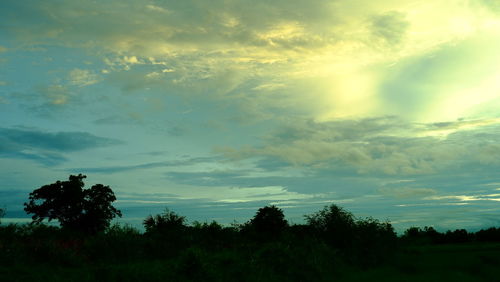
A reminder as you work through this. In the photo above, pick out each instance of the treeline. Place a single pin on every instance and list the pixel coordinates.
(85, 247)
(428, 235)
(266, 248)
(331, 243)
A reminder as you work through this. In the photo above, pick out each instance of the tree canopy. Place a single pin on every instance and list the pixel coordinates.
(269, 219)
(87, 210)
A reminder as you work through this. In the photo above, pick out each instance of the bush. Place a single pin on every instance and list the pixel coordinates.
(168, 221)
(374, 240)
(335, 224)
(268, 221)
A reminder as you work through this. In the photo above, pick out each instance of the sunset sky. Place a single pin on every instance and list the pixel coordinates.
(214, 109)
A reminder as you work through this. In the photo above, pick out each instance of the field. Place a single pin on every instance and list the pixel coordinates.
(447, 262)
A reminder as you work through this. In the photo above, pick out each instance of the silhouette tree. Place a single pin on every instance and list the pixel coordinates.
(374, 240)
(269, 220)
(335, 223)
(413, 232)
(87, 210)
(165, 222)
(457, 236)
(491, 234)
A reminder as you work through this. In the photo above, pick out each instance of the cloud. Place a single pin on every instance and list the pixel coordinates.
(384, 145)
(324, 60)
(221, 194)
(45, 100)
(81, 78)
(47, 147)
(390, 27)
(55, 94)
(187, 24)
(407, 192)
(174, 163)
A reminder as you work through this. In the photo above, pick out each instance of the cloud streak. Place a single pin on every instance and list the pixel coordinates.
(164, 164)
(47, 147)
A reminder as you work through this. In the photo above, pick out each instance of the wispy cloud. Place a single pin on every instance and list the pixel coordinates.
(81, 78)
(407, 192)
(174, 163)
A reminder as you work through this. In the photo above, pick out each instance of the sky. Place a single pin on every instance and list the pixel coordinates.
(390, 109)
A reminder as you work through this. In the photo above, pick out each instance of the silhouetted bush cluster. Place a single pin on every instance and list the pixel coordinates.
(365, 241)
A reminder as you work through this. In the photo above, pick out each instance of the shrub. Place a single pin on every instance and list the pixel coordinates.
(268, 220)
(335, 224)
(166, 222)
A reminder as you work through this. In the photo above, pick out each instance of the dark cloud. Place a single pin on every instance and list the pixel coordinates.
(58, 141)
(47, 147)
(170, 22)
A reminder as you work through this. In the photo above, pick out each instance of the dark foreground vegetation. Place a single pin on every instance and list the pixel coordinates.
(332, 245)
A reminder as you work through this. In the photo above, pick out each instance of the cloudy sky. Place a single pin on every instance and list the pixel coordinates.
(388, 108)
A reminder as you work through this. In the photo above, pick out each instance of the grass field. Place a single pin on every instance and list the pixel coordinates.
(450, 262)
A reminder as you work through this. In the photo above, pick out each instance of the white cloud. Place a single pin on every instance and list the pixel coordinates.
(239, 194)
(81, 78)
(158, 9)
